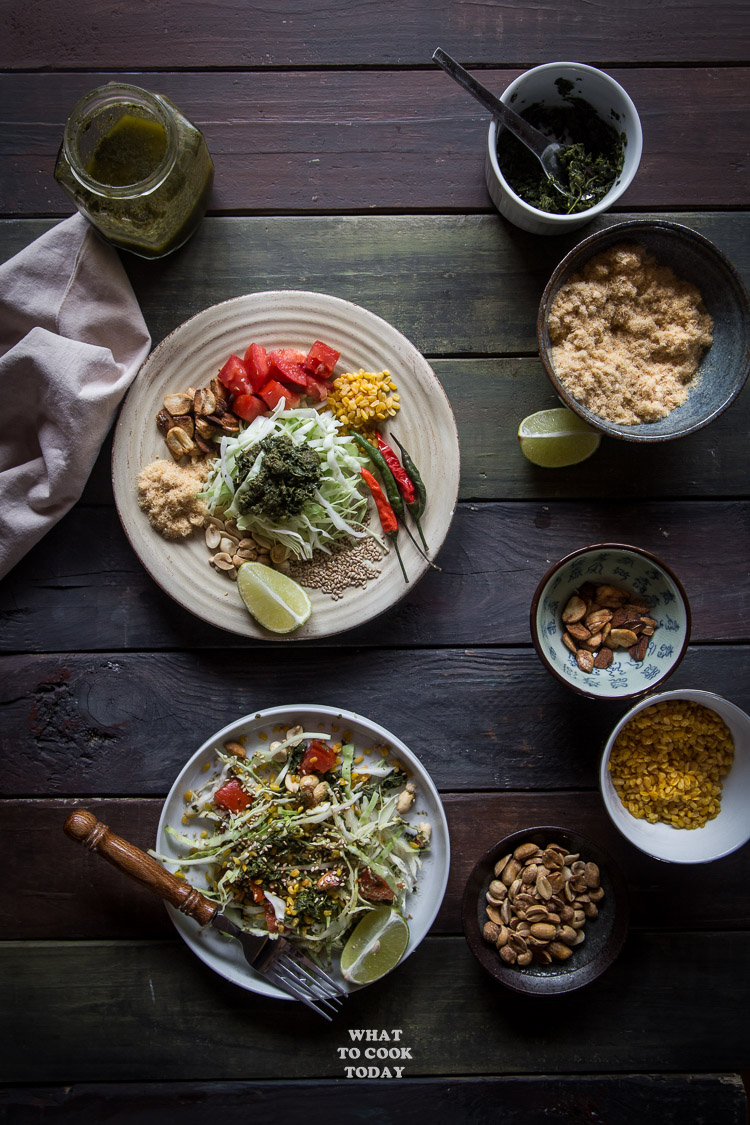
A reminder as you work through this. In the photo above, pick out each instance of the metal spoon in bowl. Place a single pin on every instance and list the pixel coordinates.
(545, 150)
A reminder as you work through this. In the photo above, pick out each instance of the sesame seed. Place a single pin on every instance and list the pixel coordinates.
(349, 564)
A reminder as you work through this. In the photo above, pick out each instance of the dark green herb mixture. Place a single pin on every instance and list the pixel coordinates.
(593, 156)
(287, 477)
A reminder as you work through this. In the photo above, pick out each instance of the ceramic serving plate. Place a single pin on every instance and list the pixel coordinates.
(193, 354)
(223, 955)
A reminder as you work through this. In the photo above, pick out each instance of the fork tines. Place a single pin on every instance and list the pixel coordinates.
(305, 980)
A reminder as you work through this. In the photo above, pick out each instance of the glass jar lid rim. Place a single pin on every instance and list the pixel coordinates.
(106, 97)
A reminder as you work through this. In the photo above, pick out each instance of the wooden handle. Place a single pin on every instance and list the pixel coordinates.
(84, 827)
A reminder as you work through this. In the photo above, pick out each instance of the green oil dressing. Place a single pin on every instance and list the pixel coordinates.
(592, 157)
(136, 167)
(130, 152)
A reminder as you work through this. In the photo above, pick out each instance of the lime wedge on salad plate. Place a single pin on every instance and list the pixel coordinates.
(377, 939)
(275, 600)
(376, 946)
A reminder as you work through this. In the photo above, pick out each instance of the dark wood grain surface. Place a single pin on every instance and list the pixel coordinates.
(306, 142)
(347, 164)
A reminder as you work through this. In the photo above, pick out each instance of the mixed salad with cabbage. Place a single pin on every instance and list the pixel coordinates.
(302, 836)
(335, 505)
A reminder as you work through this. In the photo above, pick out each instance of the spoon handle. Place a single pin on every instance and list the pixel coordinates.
(513, 121)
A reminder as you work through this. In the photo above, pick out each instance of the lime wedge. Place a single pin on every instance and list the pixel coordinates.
(558, 437)
(375, 946)
(275, 600)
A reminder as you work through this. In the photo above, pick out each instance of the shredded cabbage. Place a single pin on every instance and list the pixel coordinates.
(269, 857)
(336, 510)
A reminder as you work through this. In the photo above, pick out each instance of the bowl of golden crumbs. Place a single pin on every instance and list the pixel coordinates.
(675, 776)
(644, 330)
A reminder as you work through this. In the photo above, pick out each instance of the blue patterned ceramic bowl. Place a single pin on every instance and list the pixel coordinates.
(724, 368)
(632, 569)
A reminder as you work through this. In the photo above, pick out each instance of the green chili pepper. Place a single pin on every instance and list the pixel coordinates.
(392, 491)
(387, 477)
(417, 507)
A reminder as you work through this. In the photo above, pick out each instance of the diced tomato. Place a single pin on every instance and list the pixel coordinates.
(232, 796)
(257, 893)
(248, 407)
(318, 758)
(286, 365)
(321, 360)
(257, 365)
(273, 391)
(273, 925)
(234, 376)
(373, 887)
(292, 355)
(318, 388)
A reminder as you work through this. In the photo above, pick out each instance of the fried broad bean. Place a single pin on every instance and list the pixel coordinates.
(669, 761)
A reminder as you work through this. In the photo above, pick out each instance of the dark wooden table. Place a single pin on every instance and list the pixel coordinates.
(347, 163)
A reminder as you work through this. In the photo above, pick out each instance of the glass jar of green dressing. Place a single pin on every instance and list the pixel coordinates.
(136, 168)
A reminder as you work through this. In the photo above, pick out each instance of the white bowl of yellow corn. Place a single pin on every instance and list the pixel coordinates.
(675, 776)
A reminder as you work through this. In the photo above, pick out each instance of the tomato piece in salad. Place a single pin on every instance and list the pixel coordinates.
(271, 922)
(373, 887)
(234, 376)
(273, 392)
(248, 407)
(321, 360)
(318, 758)
(318, 389)
(257, 365)
(286, 365)
(233, 797)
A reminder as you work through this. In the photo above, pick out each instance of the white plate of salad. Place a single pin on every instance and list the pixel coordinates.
(307, 866)
(194, 354)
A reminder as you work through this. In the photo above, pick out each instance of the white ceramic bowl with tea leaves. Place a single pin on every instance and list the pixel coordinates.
(650, 581)
(551, 85)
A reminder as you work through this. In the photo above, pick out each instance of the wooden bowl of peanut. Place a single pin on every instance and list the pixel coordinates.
(545, 911)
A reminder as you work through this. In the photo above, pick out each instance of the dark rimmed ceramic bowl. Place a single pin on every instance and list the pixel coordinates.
(725, 366)
(618, 564)
(605, 935)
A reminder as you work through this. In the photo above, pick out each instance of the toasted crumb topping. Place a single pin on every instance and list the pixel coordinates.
(628, 336)
(167, 493)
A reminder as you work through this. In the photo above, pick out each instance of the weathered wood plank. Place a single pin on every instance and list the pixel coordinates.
(82, 587)
(164, 1016)
(489, 398)
(312, 142)
(618, 1099)
(117, 724)
(85, 899)
(394, 33)
(455, 286)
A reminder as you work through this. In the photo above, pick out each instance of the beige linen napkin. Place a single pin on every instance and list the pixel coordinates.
(72, 338)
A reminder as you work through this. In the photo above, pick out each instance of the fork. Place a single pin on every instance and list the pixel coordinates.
(277, 959)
